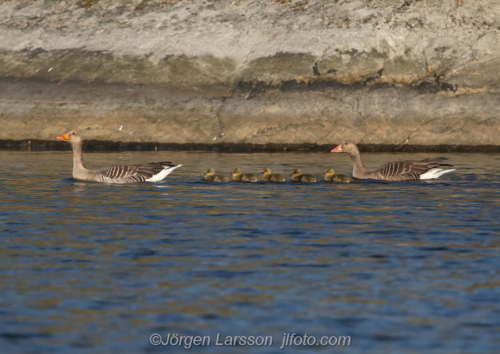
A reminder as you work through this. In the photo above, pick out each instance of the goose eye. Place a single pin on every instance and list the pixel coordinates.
(73, 133)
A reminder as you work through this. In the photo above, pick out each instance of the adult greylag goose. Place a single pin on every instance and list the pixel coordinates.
(150, 172)
(331, 176)
(395, 171)
(238, 176)
(298, 176)
(212, 177)
(268, 176)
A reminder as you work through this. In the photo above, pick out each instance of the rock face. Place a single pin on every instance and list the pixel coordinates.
(416, 72)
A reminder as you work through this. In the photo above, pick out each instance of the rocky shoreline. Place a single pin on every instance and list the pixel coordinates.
(251, 75)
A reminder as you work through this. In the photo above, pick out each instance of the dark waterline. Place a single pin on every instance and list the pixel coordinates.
(405, 267)
(113, 146)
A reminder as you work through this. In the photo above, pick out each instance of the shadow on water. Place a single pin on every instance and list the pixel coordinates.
(99, 268)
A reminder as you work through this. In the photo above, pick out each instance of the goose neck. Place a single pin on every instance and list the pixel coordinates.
(78, 157)
(357, 162)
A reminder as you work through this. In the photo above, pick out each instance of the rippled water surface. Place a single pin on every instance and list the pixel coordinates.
(406, 267)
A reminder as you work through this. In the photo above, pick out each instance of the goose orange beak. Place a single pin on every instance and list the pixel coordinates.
(64, 137)
(337, 149)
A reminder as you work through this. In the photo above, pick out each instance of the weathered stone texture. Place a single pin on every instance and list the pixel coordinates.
(247, 71)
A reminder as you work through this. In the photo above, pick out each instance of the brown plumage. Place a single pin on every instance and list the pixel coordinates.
(298, 176)
(212, 177)
(238, 176)
(330, 176)
(268, 176)
(150, 172)
(395, 171)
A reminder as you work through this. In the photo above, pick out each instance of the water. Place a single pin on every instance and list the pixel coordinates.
(405, 267)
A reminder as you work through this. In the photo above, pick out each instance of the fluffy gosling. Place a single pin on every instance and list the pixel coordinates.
(212, 177)
(272, 177)
(238, 176)
(298, 176)
(330, 176)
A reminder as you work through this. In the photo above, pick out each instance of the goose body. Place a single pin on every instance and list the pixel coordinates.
(238, 176)
(429, 168)
(331, 176)
(298, 176)
(268, 176)
(211, 176)
(149, 172)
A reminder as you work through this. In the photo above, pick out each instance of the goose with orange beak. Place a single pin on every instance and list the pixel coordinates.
(395, 171)
(150, 172)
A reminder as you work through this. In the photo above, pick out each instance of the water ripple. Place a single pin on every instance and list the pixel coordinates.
(401, 267)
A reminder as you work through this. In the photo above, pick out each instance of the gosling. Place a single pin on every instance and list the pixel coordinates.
(298, 176)
(211, 176)
(272, 177)
(330, 176)
(237, 176)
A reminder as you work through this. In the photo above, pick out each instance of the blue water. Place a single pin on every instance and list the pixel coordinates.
(399, 267)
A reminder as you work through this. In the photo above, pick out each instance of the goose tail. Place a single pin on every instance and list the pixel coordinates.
(435, 173)
(162, 174)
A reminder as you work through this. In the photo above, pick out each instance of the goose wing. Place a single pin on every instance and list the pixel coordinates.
(403, 170)
(134, 173)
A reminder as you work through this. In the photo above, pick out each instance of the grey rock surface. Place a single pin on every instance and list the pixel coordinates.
(252, 72)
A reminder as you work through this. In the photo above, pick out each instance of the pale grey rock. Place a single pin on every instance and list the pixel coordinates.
(244, 71)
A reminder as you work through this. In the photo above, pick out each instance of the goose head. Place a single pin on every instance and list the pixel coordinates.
(71, 137)
(346, 146)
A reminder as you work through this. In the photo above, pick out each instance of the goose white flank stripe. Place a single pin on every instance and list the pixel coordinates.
(395, 171)
(435, 173)
(149, 172)
(161, 175)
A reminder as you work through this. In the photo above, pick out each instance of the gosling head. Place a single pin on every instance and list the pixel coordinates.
(210, 171)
